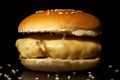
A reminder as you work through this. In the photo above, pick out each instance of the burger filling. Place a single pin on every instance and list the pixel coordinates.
(36, 47)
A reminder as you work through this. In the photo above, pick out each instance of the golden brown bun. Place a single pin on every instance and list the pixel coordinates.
(60, 65)
(69, 21)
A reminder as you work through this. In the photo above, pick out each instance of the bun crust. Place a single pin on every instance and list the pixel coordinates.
(69, 21)
(54, 65)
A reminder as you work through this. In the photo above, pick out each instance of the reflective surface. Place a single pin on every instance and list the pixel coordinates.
(30, 75)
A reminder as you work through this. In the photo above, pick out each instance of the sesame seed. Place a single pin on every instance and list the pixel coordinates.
(9, 78)
(39, 11)
(89, 72)
(116, 70)
(56, 75)
(1, 67)
(74, 73)
(90, 75)
(72, 12)
(0, 74)
(68, 77)
(66, 12)
(48, 10)
(5, 75)
(9, 65)
(48, 13)
(78, 11)
(13, 71)
(19, 78)
(37, 78)
(72, 9)
(48, 75)
(110, 66)
(56, 78)
(60, 13)
(51, 10)
(56, 9)
(17, 70)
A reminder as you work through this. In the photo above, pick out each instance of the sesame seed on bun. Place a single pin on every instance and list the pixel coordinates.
(74, 22)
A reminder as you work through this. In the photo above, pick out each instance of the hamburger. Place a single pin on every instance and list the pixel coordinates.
(59, 40)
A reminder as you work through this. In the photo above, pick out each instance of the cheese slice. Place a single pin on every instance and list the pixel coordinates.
(58, 49)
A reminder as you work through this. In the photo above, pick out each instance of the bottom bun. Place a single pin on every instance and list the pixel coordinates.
(59, 65)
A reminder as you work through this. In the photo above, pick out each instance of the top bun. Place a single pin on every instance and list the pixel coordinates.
(69, 21)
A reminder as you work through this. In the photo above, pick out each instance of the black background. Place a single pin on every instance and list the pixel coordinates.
(12, 12)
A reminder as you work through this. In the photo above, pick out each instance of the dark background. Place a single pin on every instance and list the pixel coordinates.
(12, 12)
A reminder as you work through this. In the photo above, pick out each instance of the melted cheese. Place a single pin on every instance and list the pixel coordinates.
(62, 49)
(30, 48)
(72, 49)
